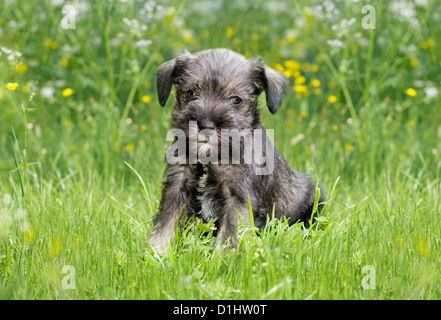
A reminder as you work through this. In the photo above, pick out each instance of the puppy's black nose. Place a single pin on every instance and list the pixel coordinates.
(206, 124)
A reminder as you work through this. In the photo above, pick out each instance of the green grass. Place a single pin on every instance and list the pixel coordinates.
(85, 191)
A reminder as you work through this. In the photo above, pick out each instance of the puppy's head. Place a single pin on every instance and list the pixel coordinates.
(217, 90)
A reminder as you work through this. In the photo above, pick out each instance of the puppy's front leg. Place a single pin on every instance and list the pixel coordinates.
(229, 221)
(176, 194)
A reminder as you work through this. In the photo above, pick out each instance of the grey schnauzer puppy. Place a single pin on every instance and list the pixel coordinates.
(216, 90)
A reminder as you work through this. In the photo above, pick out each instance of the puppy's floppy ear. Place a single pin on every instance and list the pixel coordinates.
(167, 74)
(273, 82)
(164, 80)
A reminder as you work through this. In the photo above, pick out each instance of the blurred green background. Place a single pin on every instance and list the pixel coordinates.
(362, 113)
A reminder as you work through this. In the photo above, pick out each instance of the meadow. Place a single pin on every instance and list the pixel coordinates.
(82, 144)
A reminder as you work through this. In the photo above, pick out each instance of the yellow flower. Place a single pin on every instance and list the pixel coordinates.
(314, 68)
(146, 98)
(305, 67)
(295, 73)
(290, 36)
(25, 89)
(67, 123)
(67, 92)
(287, 73)
(320, 57)
(411, 92)
(78, 240)
(29, 236)
(334, 127)
(349, 147)
(64, 62)
(187, 36)
(282, 42)
(12, 86)
(303, 114)
(169, 16)
(400, 240)
(301, 88)
(130, 147)
(50, 43)
(147, 84)
(291, 64)
(124, 47)
(422, 247)
(427, 44)
(315, 83)
(158, 57)
(300, 80)
(21, 67)
(289, 124)
(55, 248)
(237, 41)
(317, 91)
(309, 17)
(279, 67)
(230, 32)
(332, 99)
(414, 62)
(411, 123)
(143, 127)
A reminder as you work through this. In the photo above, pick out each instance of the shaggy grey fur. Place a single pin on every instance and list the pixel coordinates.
(218, 89)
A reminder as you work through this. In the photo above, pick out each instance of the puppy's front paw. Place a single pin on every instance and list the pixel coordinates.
(160, 245)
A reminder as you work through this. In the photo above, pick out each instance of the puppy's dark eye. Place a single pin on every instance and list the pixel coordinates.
(236, 100)
(190, 95)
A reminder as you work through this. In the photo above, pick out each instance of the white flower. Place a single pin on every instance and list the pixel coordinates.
(421, 3)
(335, 43)
(404, 10)
(143, 43)
(7, 199)
(66, 48)
(6, 50)
(129, 22)
(47, 92)
(431, 92)
(412, 48)
(12, 54)
(60, 83)
(5, 221)
(57, 3)
(114, 42)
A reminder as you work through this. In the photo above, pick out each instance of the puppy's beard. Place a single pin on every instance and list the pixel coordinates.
(207, 149)
(204, 148)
